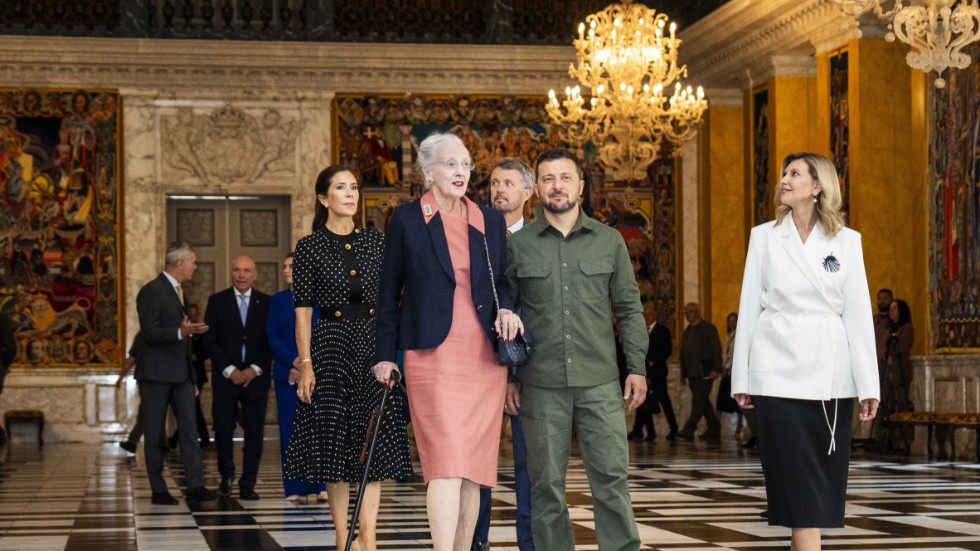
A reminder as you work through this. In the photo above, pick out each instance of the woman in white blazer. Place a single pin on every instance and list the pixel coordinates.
(805, 348)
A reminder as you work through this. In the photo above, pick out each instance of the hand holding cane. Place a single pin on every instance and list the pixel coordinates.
(370, 441)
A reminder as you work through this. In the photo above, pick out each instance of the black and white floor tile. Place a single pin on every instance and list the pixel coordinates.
(686, 496)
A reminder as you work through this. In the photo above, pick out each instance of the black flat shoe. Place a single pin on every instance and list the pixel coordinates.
(225, 487)
(201, 494)
(634, 436)
(650, 437)
(247, 494)
(163, 498)
(672, 434)
(128, 446)
(751, 443)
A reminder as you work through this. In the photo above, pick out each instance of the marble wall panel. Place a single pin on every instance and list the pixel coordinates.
(948, 383)
(222, 145)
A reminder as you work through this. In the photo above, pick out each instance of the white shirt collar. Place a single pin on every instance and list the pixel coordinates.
(173, 282)
(516, 226)
(247, 294)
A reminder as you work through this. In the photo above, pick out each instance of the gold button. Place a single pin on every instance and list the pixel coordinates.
(357, 230)
(353, 273)
(347, 246)
(371, 311)
(336, 314)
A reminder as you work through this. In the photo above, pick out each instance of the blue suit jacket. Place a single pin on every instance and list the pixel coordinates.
(226, 334)
(415, 306)
(281, 328)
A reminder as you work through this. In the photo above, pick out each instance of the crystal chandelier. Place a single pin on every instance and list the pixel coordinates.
(937, 30)
(627, 59)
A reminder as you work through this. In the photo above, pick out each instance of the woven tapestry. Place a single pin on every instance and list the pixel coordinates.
(60, 268)
(954, 211)
(839, 128)
(760, 157)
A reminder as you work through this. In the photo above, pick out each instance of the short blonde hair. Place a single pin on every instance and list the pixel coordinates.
(829, 202)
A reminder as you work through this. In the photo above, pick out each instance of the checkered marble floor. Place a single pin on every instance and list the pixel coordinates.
(686, 496)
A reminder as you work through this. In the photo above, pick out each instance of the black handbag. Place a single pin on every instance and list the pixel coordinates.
(517, 352)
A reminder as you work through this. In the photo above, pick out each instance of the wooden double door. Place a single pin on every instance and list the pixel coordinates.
(222, 228)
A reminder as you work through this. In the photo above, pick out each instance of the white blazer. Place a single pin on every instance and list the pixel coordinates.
(804, 322)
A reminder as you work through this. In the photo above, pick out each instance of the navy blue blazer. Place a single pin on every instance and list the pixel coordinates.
(281, 328)
(415, 304)
(226, 334)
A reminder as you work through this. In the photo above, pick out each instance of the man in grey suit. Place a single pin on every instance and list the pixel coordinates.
(166, 373)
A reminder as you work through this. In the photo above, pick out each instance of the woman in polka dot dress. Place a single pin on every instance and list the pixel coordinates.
(338, 268)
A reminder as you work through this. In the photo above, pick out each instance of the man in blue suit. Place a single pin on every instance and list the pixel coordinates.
(241, 362)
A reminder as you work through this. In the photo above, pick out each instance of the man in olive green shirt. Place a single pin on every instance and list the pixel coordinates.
(569, 273)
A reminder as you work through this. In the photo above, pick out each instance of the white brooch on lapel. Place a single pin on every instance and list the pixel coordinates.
(831, 264)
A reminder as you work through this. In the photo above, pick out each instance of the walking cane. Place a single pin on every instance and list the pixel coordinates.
(374, 427)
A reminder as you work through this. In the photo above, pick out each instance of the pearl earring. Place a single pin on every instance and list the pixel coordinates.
(814, 198)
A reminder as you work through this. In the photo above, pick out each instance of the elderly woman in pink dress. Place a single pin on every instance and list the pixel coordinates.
(437, 304)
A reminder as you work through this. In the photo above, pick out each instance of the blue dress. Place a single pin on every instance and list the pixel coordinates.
(281, 327)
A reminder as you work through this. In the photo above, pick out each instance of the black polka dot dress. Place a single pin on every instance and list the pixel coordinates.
(341, 274)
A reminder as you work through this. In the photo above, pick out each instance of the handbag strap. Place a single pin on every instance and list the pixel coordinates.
(493, 282)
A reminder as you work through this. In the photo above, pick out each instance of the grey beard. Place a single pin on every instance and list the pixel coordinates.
(559, 210)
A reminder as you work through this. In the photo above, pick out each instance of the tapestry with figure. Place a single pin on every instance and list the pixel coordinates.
(954, 211)
(760, 157)
(60, 228)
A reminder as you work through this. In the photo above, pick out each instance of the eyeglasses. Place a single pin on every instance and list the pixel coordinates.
(453, 164)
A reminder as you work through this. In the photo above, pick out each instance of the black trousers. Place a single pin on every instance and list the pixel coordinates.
(658, 384)
(252, 398)
(202, 425)
(154, 398)
(656, 395)
(701, 405)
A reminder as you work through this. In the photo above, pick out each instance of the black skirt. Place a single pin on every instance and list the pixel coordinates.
(805, 486)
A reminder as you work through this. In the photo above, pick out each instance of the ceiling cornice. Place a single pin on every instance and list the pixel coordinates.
(284, 66)
(737, 42)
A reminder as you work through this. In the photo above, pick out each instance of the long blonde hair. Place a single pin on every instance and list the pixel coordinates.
(829, 202)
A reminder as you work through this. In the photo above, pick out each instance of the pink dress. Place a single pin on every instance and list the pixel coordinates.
(456, 390)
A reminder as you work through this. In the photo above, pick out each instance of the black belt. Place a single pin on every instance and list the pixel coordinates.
(347, 311)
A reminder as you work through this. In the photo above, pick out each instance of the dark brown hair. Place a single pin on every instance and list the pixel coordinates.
(323, 181)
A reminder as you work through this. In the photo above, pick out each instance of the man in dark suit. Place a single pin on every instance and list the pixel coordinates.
(700, 365)
(241, 367)
(511, 185)
(166, 374)
(658, 353)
